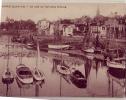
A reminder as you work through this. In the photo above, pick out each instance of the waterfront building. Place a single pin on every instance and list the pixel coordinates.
(115, 28)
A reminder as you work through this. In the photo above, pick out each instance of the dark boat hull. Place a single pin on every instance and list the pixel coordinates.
(117, 72)
(79, 83)
(78, 79)
(8, 80)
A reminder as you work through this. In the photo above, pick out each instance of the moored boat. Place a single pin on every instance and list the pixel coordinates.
(57, 52)
(38, 75)
(24, 74)
(78, 79)
(7, 77)
(23, 85)
(99, 57)
(118, 77)
(58, 46)
(30, 45)
(89, 50)
(63, 69)
(113, 64)
(117, 69)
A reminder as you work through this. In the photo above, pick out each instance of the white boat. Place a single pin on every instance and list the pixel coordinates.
(89, 50)
(24, 74)
(37, 74)
(63, 70)
(58, 46)
(57, 52)
(114, 64)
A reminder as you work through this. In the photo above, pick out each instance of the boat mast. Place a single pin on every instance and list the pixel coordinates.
(87, 35)
(20, 57)
(38, 53)
(8, 55)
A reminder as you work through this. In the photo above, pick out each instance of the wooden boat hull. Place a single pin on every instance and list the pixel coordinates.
(58, 53)
(63, 70)
(22, 85)
(117, 72)
(117, 65)
(58, 46)
(78, 79)
(22, 72)
(38, 75)
(117, 69)
(26, 81)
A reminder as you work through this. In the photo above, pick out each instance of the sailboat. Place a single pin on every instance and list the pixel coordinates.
(117, 66)
(23, 73)
(37, 74)
(87, 48)
(7, 77)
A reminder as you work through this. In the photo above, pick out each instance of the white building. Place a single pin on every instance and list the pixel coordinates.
(68, 30)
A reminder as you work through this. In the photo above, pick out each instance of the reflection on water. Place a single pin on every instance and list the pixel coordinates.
(88, 77)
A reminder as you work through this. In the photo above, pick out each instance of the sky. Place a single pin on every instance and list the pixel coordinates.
(66, 11)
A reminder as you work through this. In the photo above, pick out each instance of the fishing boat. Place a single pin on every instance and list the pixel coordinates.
(63, 69)
(58, 46)
(78, 79)
(7, 77)
(24, 74)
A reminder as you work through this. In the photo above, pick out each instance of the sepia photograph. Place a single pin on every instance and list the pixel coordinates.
(63, 50)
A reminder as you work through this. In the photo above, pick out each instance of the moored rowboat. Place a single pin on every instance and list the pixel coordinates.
(57, 46)
(63, 70)
(24, 74)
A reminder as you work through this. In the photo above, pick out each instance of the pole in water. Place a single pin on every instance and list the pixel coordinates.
(36, 90)
(60, 84)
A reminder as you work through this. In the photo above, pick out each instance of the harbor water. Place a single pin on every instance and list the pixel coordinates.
(99, 82)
